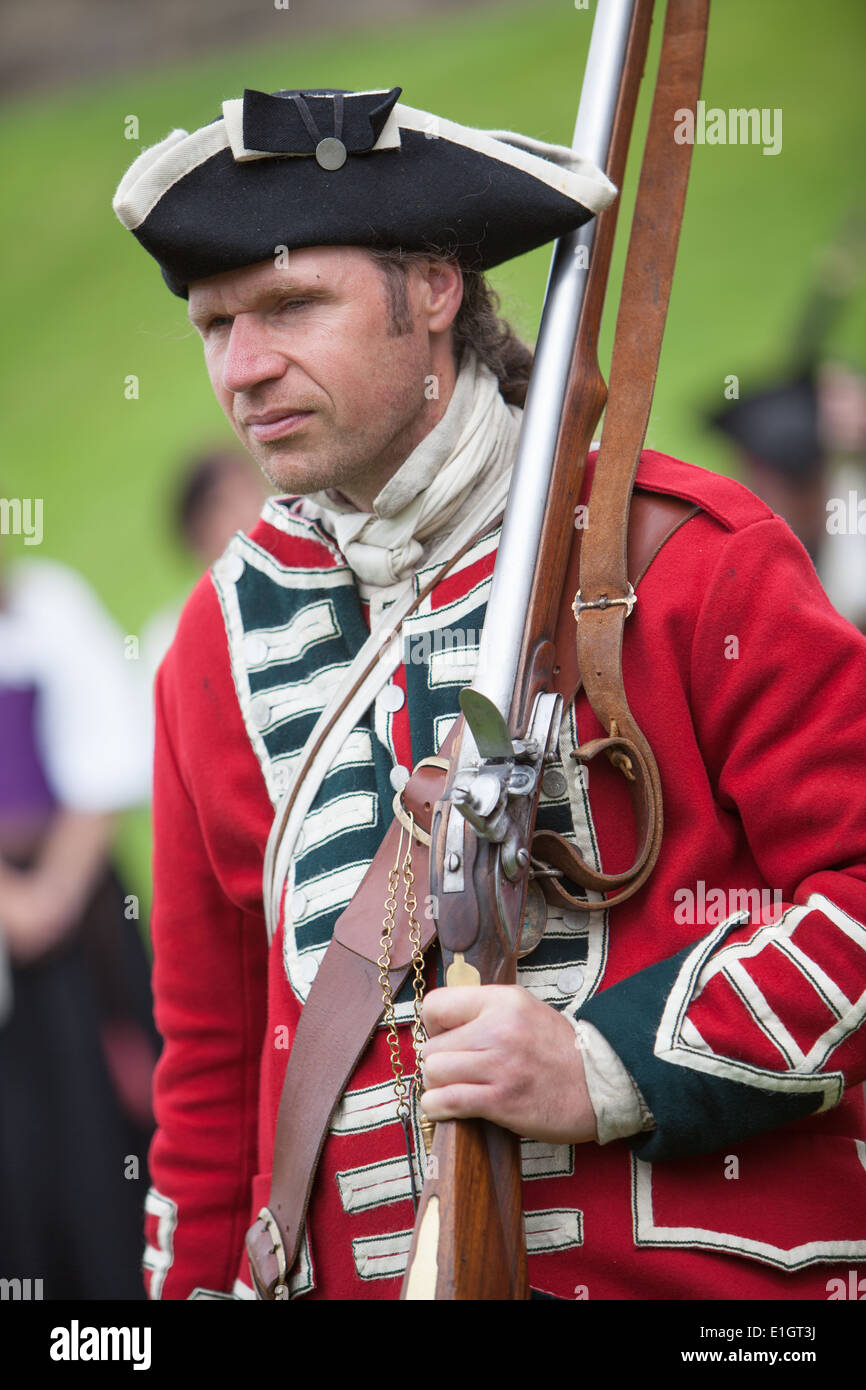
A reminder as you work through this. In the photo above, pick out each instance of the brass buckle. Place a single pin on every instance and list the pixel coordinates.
(268, 1220)
(405, 820)
(628, 602)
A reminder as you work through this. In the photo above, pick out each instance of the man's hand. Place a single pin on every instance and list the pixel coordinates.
(41, 904)
(31, 917)
(497, 1052)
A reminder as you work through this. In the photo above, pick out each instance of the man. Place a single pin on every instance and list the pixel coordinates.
(648, 1060)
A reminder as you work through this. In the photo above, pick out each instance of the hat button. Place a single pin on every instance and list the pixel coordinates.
(331, 153)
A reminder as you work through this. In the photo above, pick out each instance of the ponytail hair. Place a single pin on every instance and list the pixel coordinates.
(477, 324)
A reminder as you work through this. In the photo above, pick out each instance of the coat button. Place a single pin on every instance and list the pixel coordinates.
(255, 649)
(306, 969)
(392, 698)
(569, 981)
(398, 777)
(230, 567)
(299, 903)
(575, 921)
(553, 783)
(260, 712)
(330, 153)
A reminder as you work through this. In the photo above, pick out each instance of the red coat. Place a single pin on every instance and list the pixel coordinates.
(733, 986)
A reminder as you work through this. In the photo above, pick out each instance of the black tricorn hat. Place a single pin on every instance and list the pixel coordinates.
(778, 425)
(330, 168)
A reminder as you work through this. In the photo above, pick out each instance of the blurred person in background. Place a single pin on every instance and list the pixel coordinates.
(219, 492)
(77, 1044)
(802, 446)
(801, 438)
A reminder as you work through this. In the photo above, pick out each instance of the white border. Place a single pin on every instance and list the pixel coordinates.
(646, 1232)
(226, 589)
(671, 1046)
(160, 1258)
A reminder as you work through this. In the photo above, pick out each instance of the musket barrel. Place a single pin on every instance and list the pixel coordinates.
(501, 640)
(468, 1239)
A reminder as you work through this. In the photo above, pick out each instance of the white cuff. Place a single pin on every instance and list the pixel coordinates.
(620, 1109)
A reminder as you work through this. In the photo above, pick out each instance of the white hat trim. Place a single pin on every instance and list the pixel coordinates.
(162, 166)
(159, 168)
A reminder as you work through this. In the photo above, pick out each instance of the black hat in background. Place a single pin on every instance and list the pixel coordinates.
(777, 425)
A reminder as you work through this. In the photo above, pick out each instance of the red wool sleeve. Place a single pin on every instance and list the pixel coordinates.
(210, 962)
(759, 1020)
(779, 703)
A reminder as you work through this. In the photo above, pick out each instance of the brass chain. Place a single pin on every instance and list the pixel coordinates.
(410, 903)
(402, 868)
(419, 1033)
(384, 964)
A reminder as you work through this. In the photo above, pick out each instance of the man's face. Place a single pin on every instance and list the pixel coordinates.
(306, 364)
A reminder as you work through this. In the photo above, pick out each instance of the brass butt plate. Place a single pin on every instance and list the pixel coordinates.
(424, 1271)
(460, 972)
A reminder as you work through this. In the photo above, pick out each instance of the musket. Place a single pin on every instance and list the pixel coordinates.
(468, 1241)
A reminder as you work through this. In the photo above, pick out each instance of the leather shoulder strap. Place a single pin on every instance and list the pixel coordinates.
(653, 519)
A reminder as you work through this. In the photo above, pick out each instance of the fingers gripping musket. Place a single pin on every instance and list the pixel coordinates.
(468, 1241)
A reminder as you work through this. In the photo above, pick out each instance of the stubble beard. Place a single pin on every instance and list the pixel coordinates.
(349, 462)
(300, 474)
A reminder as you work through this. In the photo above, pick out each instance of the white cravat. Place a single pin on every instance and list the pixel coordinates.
(462, 466)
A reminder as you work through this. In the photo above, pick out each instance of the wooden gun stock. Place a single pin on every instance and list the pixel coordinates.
(468, 1241)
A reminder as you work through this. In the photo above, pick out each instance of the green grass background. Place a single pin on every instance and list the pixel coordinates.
(84, 306)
